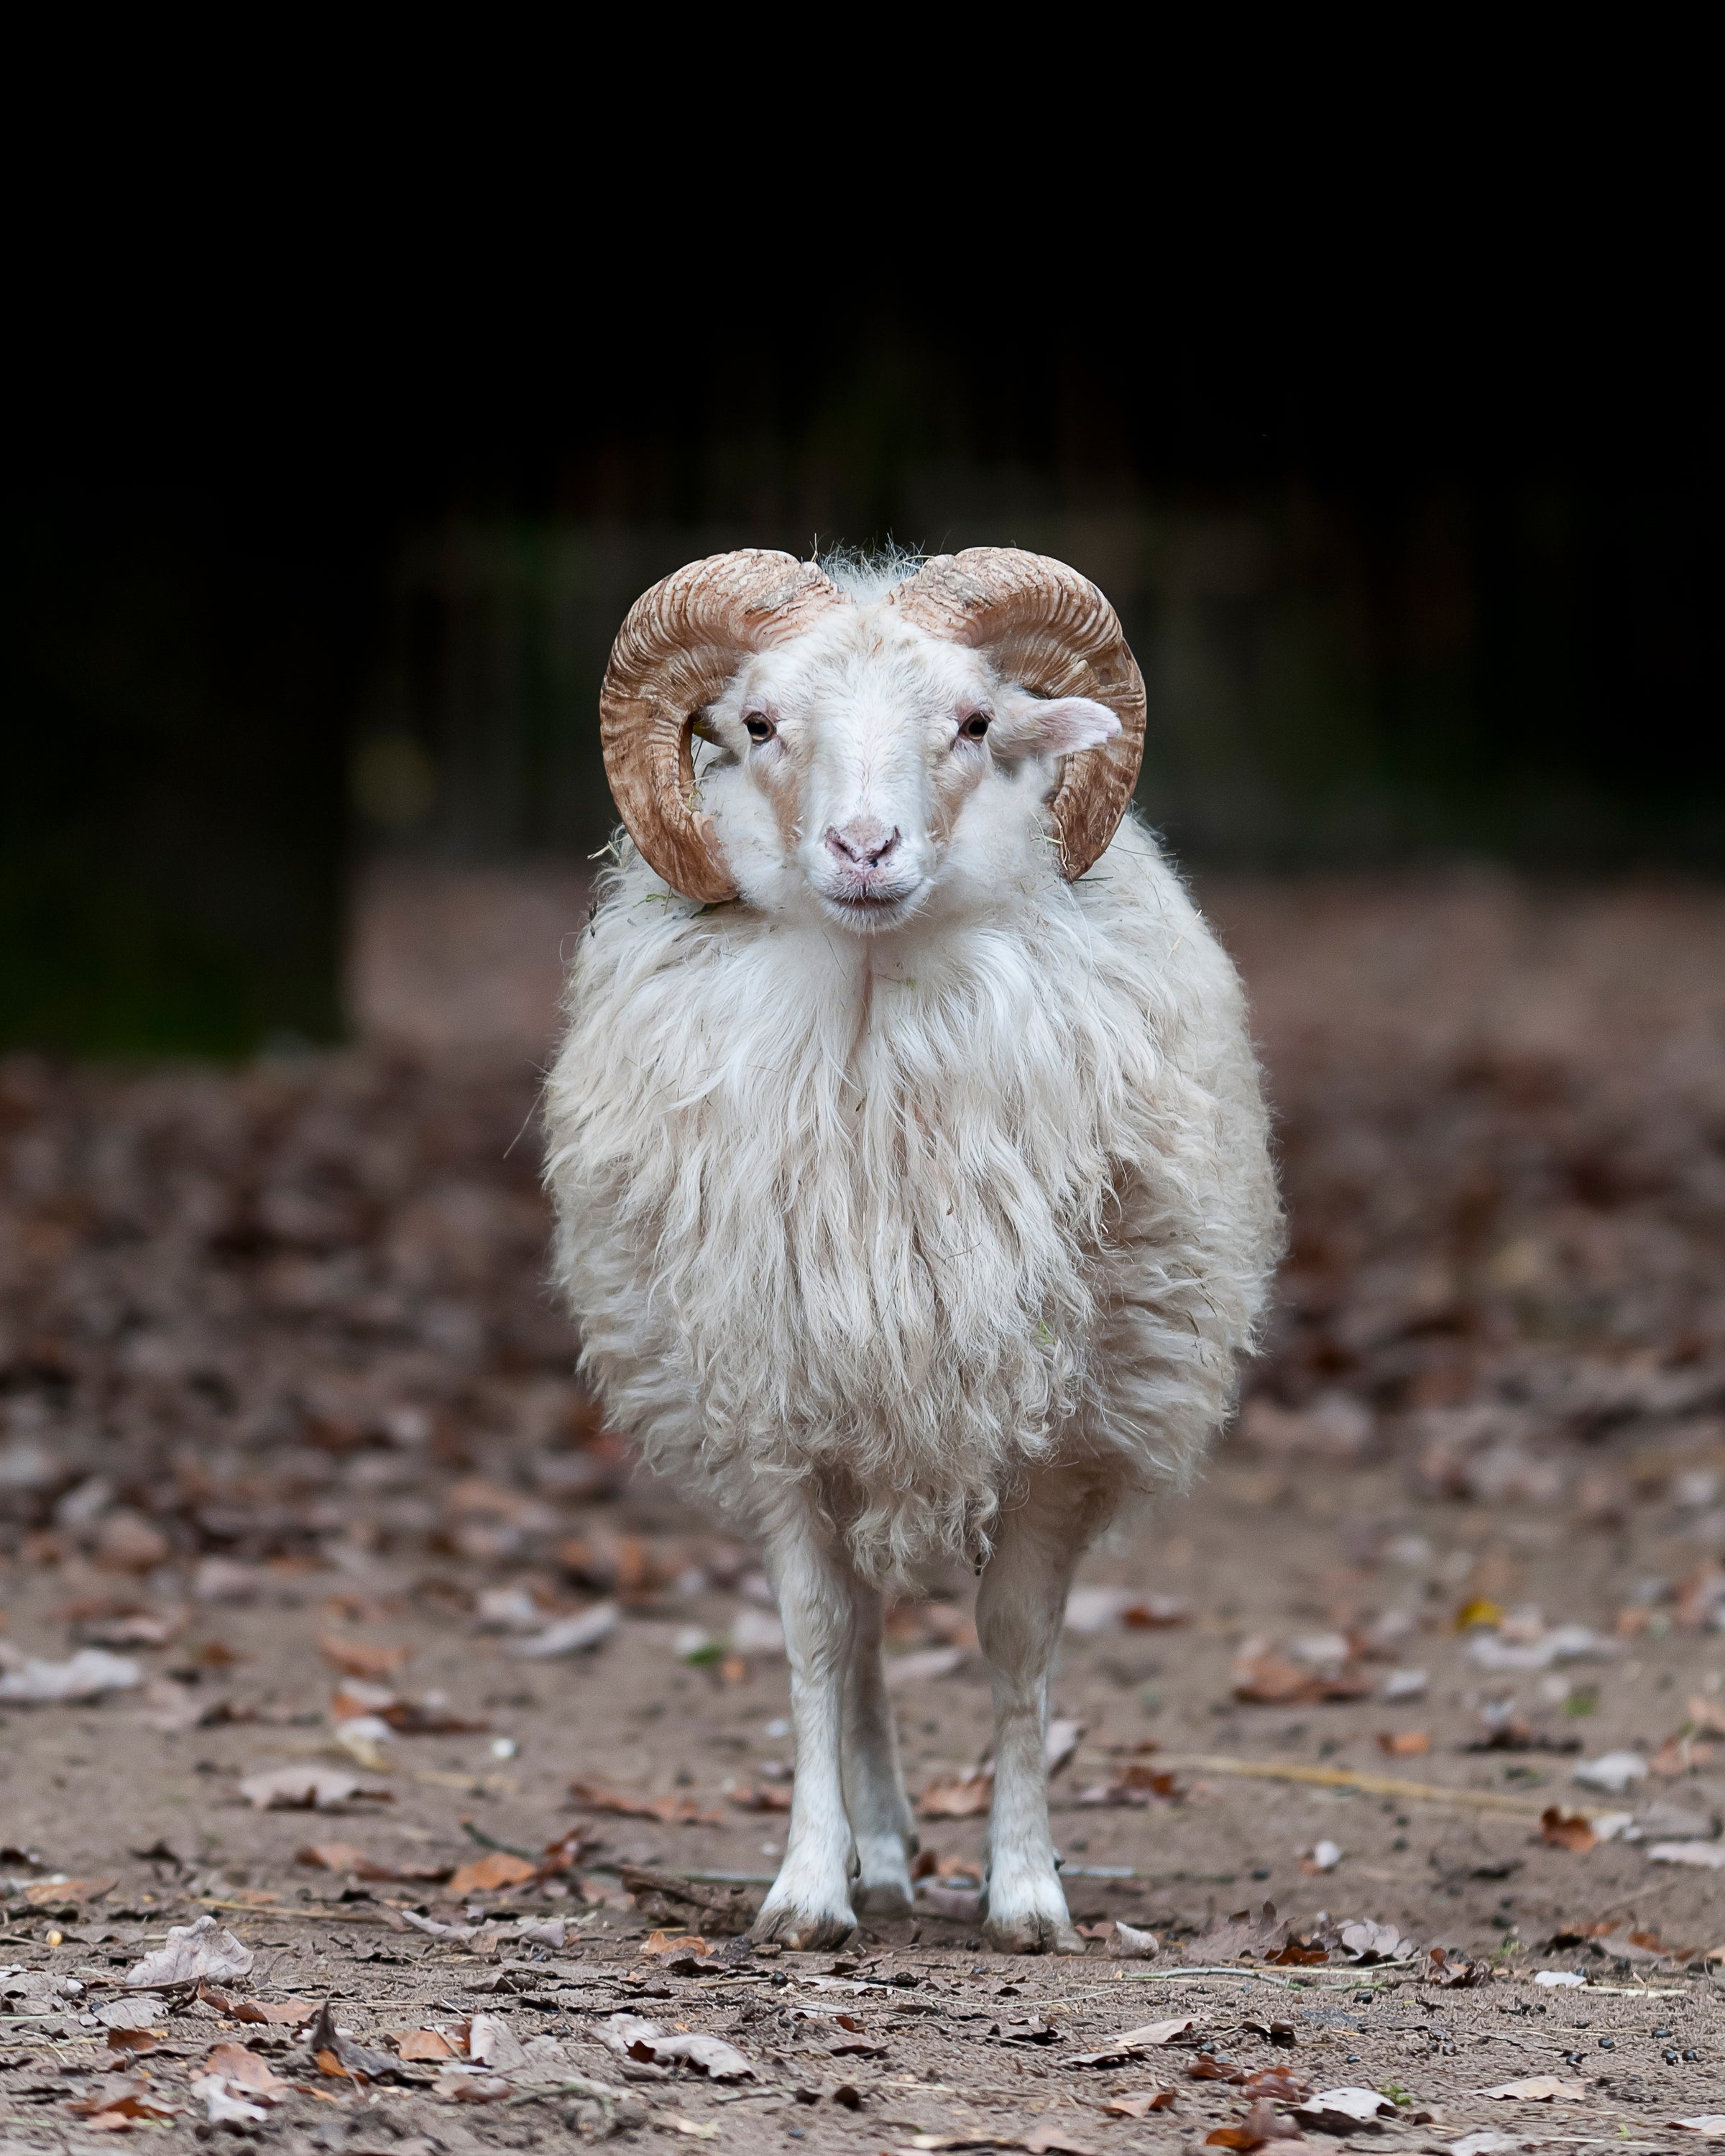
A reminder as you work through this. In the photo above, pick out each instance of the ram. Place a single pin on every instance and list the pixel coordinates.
(911, 1168)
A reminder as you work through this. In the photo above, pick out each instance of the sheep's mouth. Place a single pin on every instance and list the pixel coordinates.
(874, 907)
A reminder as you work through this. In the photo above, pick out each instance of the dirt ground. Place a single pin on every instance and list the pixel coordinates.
(296, 1489)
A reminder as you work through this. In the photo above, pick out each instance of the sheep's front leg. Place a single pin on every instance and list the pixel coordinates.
(1020, 1608)
(807, 1907)
(875, 1796)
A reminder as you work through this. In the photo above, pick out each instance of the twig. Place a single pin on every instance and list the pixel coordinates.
(299, 1915)
(489, 1841)
(1372, 1785)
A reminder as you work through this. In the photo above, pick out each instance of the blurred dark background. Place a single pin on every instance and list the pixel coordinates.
(1431, 586)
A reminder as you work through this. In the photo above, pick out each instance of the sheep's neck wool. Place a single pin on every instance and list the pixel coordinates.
(894, 1219)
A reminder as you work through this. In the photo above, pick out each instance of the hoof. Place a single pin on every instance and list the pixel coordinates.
(888, 1899)
(1034, 1933)
(801, 1930)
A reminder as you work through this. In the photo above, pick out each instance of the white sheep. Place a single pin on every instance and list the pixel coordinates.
(909, 1158)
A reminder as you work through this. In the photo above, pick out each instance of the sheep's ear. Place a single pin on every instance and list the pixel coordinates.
(1052, 726)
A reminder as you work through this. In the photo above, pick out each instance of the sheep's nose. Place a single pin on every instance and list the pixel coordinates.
(862, 845)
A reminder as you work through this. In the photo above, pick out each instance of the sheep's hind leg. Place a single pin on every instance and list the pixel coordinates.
(1020, 1608)
(880, 1811)
(807, 1907)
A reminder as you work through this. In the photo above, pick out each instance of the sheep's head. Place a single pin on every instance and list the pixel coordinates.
(852, 737)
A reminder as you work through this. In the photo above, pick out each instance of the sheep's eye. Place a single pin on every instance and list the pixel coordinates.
(759, 729)
(975, 726)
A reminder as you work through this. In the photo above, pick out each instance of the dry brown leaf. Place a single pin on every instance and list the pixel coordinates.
(667, 1944)
(1133, 1783)
(1404, 1744)
(343, 1857)
(245, 2070)
(1049, 2137)
(286, 2013)
(1139, 2107)
(1264, 1678)
(137, 2041)
(764, 1797)
(424, 2044)
(1564, 1829)
(629, 1803)
(307, 1788)
(1261, 2124)
(1539, 2088)
(49, 1893)
(1205, 2067)
(113, 2109)
(360, 1658)
(1277, 2082)
(961, 1796)
(490, 1874)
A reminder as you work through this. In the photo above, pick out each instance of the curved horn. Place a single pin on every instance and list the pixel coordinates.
(681, 644)
(1044, 625)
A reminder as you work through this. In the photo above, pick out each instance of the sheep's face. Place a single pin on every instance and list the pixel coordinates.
(854, 757)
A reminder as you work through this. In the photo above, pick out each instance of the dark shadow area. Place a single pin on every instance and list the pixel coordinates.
(1400, 599)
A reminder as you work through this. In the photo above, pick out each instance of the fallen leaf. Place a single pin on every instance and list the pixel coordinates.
(569, 1635)
(1246, 1932)
(1261, 2124)
(1539, 2088)
(1207, 2067)
(192, 1951)
(92, 1672)
(360, 1658)
(457, 2086)
(343, 1857)
(1703, 1855)
(1140, 2107)
(286, 2013)
(1133, 2042)
(1060, 1741)
(663, 1944)
(492, 2042)
(244, 2070)
(132, 2013)
(341, 2056)
(1133, 1783)
(1323, 1856)
(114, 2108)
(1263, 1677)
(1363, 1941)
(1570, 1831)
(1710, 2125)
(424, 2044)
(1343, 2110)
(134, 2041)
(1126, 1943)
(1050, 2138)
(1404, 1744)
(765, 1796)
(223, 2105)
(49, 1893)
(490, 1874)
(629, 1803)
(1612, 1773)
(632, 2038)
(306, 1789)
(963, 1796)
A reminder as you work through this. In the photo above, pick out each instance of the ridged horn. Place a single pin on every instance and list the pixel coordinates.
(680, 645)
(1047, 627)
